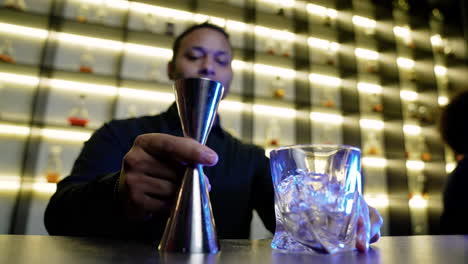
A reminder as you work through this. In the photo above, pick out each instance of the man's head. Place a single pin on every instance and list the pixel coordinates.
(453, 125)
(202, 51)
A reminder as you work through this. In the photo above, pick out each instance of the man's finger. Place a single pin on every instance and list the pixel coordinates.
(184, 150)
(376, 222)
(363, 226)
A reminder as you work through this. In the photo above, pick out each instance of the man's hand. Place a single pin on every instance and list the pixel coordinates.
(152, 172)
(368, 226)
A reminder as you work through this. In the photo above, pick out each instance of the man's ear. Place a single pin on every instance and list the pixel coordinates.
(170, 70)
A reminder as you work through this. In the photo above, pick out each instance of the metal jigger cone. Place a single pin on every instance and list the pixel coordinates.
(191, 226)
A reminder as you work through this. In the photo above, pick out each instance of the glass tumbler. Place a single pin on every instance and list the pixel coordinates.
(317, 191)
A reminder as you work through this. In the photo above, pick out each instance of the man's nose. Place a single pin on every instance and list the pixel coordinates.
(207, 67)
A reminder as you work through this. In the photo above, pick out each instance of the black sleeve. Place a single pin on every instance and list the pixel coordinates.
(454, 219)
(263, 194)
(85, 203)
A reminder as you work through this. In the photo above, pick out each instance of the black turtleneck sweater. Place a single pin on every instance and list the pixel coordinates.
(85, 205)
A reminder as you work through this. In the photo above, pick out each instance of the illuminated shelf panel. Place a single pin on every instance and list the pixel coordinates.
(50, 133)
(13, 184)
(167, 53)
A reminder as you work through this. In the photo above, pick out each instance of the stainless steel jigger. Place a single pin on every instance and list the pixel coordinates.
(191, 226)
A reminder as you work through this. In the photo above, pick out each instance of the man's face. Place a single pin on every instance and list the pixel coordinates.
(204, 52)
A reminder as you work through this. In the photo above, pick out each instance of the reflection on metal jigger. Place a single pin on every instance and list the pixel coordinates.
(191, 227)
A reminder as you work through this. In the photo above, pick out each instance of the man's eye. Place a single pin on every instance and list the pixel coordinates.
(192, 57)
(222, 61)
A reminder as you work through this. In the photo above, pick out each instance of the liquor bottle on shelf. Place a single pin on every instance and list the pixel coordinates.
(331, 54)
(7, 53)
(170, 26)
(371, 66)
(82, 13)
(325, 134)
(285, 48)
(101, 12)
(54, 164)
(412, 111)
(270, 45)
(19, 5)
(372, 144)
(273, 133)
(277, 86)
(79, 115)
(375, 103)
(425, 115)
(328, 96)
(418, 185)
(87, 61)
(150, 22)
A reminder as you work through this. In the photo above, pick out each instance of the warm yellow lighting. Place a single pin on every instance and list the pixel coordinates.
(418, 202)
(19, 78)
(199, 18)
(402, 32)
(321, 11)
(65, 134)
(23, 31)
(412, 129)
(146, 95)
(89, 41)
(369, 88)
(274, 111)
(9, 183)
(408, 95)
(7, 129)
(326, 118)
(148, 50)
(262, 31)
(449, 167)
(364, 22)
(236, 25)
(44, 187)
(118, 4)
(323, 44)
(436, 40)
(440, 70)
(227, 105)
(271, 70)
(374, 162)
(443, 100)
(366, 54)
(415, 165)
(405, 63)
(285, 3)
(377, 201)
(160, 11)
(239, 65)
(324, 79)
(82, 87)
(371, 124)
(283, 35)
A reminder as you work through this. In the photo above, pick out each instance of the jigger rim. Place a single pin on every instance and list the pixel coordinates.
(198, 78)
(317, 146)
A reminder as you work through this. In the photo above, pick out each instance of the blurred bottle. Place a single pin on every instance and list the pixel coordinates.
(82, 13)
(79, 115)
(87, 61)
(54, 164)
(273, 133)
(277, 85)
(19, 5)
(7, 53)
(101, 12)
(372, 144)
(170, 26)
(328, 96)
(150, 21)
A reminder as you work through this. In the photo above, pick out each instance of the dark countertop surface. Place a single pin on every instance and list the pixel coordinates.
(70, 250)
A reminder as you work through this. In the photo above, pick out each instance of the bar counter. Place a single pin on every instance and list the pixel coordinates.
(18, 249)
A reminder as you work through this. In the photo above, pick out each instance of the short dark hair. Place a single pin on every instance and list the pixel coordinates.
(178, 40)
(453, 125)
